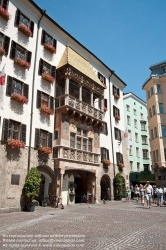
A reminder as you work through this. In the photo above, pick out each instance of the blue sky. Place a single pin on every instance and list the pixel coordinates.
(127, 35)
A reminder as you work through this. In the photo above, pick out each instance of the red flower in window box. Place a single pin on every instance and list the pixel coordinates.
(45, 150)
(24, 29)
(22, 63)
(105, 109)
(48, 78)
(107, 162)
(105, 85)
(117, 117)
(46, 110)
(4, 13)
(15, 143)
(116, 96)
(50, 48)
(19, 98)
(121, 165)
(2, 52)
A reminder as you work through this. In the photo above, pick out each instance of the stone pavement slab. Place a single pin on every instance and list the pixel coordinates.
(116, 225)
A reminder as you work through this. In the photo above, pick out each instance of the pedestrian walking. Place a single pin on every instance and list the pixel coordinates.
(164, 195)
(132, 190)
(154, 198)
(149, 193)
(128, 194)
(136, 193)
(142, 194)
(159, 192)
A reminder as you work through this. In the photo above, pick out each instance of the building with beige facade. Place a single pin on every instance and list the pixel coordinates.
(63, 111)
(155, 87)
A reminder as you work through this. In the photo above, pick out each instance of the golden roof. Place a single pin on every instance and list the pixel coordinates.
(72, 58)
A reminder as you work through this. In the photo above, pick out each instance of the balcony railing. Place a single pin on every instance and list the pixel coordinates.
(66, 100)
(77, 155)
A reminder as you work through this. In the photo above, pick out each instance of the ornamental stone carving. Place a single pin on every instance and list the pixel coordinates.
(72, 155)
(65, 153)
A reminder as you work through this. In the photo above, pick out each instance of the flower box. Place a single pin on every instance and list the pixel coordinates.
(48, 78)
(50, 48)
(107, 162)
(121, 165)
(24, 29)
(2, 52)
(116, 96)
(45, 150)
(4, 13)
(117, 117)
(19, 98)
(105, 109)
(15, 143)
(22, 63)
(46, 110)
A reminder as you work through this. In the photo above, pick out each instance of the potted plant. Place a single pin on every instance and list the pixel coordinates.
(19, 98)
(15, 143)
(105, 109)
(119, 182)
(4, 13)
(117, 117)
(2, 51)
(24, 29)
(32, 188)
(116, 96)
(50, 48)
(22, 63)
(45, 150)
(107, 162)
(46, 110)
(48, 77)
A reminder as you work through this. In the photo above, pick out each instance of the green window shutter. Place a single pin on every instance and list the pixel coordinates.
(23, 133)
(37, 138)
(9, 86)
(5, 129)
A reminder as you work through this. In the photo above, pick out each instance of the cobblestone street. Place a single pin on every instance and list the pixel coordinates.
(114, 225)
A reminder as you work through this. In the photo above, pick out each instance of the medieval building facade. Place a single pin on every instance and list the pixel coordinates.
(61, 111)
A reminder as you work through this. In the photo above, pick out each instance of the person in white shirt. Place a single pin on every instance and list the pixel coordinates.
(149, 194)
(159, 192)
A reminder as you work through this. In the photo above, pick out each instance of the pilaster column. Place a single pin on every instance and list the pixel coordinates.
(80, 93)
(67, 86)
(91, 101)
(102, 103)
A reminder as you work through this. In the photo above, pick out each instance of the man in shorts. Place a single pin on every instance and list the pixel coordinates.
(149, 194)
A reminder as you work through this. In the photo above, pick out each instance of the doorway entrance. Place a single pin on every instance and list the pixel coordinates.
(105, 184)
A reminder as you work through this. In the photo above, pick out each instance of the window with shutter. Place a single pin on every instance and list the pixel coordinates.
(101, 78)
(20, 18)
(4, 43)
(20, 52)
(104, 154)
(4, 3)
(17, 87)
(116, 111)
(117, 133)
(46, 38)
(14, 130)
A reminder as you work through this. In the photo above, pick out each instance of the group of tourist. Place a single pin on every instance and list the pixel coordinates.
(151, 193)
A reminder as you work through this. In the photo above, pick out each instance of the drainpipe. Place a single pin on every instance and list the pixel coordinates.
(111, 129)
(33, 85)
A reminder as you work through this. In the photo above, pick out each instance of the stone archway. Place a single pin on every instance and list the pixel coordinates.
(48, 182)
(104, 184)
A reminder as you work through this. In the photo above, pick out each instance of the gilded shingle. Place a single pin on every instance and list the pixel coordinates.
(72, 58)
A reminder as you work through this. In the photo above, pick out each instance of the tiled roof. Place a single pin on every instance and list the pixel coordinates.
(72, 58)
